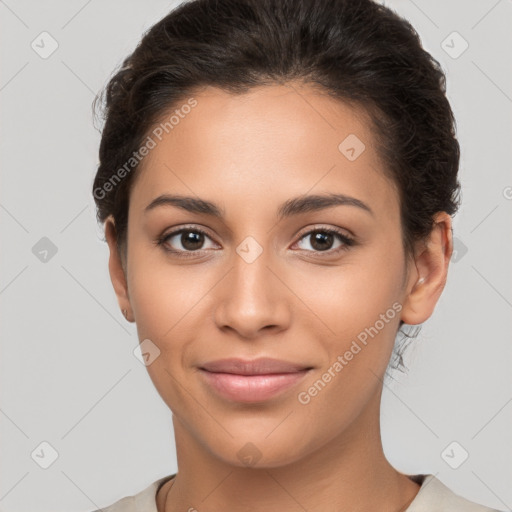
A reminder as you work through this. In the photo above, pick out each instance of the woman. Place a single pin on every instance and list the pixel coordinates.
(276, 183)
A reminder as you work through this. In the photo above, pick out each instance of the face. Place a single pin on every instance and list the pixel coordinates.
(266, 270)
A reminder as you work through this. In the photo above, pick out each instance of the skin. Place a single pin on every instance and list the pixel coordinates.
(248, 154)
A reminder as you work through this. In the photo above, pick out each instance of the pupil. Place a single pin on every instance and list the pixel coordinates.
(319, 237)
(190, 240)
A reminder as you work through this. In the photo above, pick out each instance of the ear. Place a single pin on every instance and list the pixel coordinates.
(116, 267)
(427, 280)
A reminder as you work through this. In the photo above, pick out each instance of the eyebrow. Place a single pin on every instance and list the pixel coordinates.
(295, 206)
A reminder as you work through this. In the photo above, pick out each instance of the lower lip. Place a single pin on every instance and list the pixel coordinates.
(251, 388)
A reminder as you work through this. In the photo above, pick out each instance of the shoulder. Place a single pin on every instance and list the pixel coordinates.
(143, 501)
(435, 496)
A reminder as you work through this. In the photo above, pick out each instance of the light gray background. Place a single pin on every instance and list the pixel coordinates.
(68, 373)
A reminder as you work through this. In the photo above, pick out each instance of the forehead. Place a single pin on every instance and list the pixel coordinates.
(273, 141)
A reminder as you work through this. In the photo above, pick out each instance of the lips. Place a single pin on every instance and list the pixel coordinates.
(252, 381)
(262, 366)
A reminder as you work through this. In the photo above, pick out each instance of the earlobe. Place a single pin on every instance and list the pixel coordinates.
(116, 269)
(426, 283)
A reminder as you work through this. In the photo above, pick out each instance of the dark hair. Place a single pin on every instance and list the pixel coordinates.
(359, 52)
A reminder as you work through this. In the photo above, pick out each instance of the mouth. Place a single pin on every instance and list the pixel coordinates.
(252, 381)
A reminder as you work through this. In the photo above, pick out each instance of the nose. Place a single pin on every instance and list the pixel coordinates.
(252, 300)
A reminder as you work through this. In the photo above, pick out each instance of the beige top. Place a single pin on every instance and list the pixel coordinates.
(433, 496)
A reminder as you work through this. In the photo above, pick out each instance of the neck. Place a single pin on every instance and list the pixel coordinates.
(348, 473)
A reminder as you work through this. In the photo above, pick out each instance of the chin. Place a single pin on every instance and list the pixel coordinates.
(256, 448)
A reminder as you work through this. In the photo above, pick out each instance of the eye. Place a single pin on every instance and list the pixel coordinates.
(321, 240)
(191, 240)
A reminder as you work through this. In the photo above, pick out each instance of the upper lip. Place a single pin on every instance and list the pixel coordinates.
(261, 366)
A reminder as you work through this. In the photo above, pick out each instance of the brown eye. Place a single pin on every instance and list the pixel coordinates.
(185, 241)
(192, 240)
(323, 240)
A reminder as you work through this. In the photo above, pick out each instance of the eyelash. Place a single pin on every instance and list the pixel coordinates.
(345, 240)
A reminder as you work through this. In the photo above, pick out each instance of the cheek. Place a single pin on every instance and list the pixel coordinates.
(352, 296)
(362, 311)
(170, 304)
(163, 301)
(360, 304)
(161, 293)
